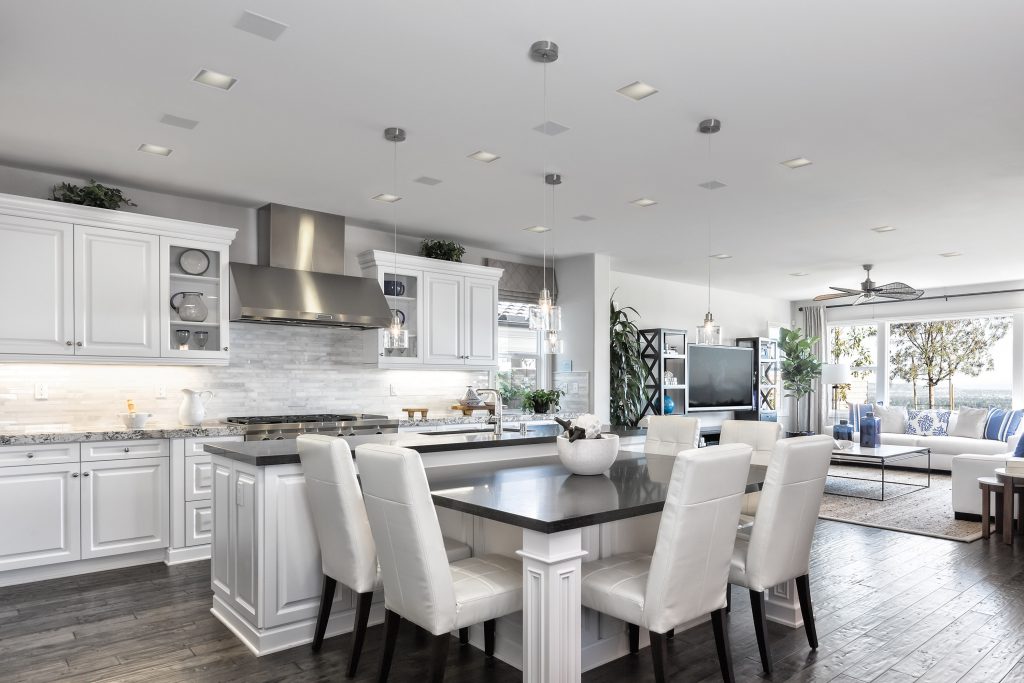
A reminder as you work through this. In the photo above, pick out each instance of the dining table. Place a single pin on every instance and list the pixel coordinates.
(552, 507)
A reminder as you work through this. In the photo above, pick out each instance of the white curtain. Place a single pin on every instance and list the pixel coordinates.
(815, 325)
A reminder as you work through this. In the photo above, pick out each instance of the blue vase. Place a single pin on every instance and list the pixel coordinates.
(843, 431)
(870, 431)
(669, 405)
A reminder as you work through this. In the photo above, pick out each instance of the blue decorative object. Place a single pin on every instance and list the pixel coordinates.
(843, 431)
(670, 405)
(1018, 452)
(857, 412)
(1002, 424)
(870, 431)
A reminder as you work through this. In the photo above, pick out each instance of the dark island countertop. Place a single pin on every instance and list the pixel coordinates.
(285, 452)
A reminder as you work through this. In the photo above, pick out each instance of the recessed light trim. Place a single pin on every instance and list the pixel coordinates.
(551, 128)
(584, 218)
(798, 162)
(637, 90)
(712, 185)
(261, 26)
(484, 156)
(427, 180)
(721, 257)
(799, 274)
(537, 229)
(884, 228)
(951, 254)
(178, 121)
(159, 150)
(215, 79)
(643, 202)
(386, 197)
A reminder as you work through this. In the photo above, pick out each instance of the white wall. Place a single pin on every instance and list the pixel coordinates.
(583, 296)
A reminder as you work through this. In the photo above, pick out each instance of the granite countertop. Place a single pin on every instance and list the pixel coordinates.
(285, 451)
(42, 434)
(482, 418)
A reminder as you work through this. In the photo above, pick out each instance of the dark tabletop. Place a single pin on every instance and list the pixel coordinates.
(547, 498)
(285, 452)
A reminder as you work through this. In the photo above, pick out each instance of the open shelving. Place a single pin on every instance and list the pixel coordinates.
(663, 351)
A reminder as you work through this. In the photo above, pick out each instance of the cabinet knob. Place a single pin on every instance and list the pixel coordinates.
(74, 474)
(225, 348)
(126, 450)
(30, 455)
(68, 343)
(78, 343)
(85, 474)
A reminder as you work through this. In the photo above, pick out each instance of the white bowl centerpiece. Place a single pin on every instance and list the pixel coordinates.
(583, 449)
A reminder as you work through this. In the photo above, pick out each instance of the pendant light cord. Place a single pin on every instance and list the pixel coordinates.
(707, 218)
(394, 205)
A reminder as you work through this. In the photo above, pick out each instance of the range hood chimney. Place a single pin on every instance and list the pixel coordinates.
(300, 277)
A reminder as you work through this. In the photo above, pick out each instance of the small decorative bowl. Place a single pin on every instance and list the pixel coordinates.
(134, 420)
(588, 456)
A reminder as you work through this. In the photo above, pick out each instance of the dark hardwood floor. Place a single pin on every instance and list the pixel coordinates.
(890, 608)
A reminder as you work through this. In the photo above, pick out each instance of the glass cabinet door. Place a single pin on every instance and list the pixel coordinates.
(194, 287)
(402, 289)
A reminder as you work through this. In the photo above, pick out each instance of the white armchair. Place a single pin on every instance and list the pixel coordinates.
(967, 468)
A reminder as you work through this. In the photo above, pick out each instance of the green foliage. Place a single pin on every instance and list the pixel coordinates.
(851, 343)
(936, 351)
(540, 400)
(800, 367)
(443, 250)
(92, 194)
(511, 388)
(627, 371)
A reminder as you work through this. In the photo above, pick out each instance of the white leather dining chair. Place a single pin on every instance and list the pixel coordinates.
(347, 551)
(760, 436)
(420, 585)
(685, 577)
(669, 434)
(779, 545)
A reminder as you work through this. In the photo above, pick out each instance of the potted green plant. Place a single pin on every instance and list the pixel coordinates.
(511, 389)
(541, 400)
(443, 250)
(800, 367)
(91, 194)
(627, 368)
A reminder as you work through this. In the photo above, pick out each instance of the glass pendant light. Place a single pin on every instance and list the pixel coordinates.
(709, 332)
(396, 337)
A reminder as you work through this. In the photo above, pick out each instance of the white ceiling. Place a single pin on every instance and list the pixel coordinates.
(911, 111)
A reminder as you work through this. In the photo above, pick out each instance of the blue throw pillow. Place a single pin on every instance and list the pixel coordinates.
(1002, 424)
(1019, 451)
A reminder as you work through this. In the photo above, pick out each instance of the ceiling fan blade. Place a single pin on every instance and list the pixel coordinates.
(903, 296)
(827, 297)
(851, 292)
(895, 288)
(863, 298)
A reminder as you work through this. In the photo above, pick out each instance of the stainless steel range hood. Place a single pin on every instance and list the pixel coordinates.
(300, 278)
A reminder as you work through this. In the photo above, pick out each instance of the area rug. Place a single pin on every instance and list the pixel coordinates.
(926, 512)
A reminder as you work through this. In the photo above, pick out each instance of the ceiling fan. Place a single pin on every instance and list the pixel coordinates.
(896, 291)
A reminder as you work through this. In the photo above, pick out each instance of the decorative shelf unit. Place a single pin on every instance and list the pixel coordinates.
(768, 373)
(663, 351)
(207, 339)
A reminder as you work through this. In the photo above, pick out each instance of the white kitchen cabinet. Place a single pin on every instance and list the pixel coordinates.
(210, 285)
(39, 506)
(124, 506)
(36, 276)
(451, 311)
(198, 523)
(117, 293)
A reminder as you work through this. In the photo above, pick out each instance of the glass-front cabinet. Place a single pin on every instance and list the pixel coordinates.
(403, 291)
(194, 297)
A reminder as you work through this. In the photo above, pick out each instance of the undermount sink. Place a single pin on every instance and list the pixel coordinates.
(479, 430)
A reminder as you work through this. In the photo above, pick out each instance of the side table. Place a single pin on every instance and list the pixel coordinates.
(1012, 482)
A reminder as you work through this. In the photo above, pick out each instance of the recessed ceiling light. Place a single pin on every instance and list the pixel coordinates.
(155, 149)
(486, 157)
(386, 197)
(712, 185)
(799, 162)
(427, 180)
(550, 128)
(951, 254)
(884, 228)
(178, 121)
(537, 228)
(720, 257)
(261, 26)
(637, 90)
(801, 274)
(584, 218)
(643, 201)
(215, 79)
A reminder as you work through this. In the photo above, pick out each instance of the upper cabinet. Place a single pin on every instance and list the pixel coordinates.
(95, 285)
(450, 311)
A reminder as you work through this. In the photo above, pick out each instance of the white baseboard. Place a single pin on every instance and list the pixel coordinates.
(182, 555)
(98, 564)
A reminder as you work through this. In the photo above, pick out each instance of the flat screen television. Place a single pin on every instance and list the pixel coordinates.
(719, 378)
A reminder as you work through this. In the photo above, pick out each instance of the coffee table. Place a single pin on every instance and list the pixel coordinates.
(880, 456)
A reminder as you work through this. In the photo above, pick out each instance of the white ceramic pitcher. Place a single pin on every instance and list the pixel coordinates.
(192, 410)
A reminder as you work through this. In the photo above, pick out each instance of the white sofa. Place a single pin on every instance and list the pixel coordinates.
(967, 467)
(944, 448)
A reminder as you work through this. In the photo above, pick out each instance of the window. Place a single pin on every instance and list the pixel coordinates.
(855, 346)
(520, 361)
(954, 363)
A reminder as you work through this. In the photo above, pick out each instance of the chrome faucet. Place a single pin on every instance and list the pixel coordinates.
(496, 417)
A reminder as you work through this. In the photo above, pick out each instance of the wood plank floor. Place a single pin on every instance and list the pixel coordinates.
(890, 608)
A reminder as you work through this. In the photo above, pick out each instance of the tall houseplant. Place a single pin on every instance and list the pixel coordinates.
(627, 371)
(800, 367)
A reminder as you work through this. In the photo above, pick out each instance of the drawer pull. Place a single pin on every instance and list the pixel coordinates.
(85, 474)
(126, 450)
(30, 455)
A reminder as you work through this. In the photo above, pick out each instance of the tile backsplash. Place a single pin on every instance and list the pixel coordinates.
(274, 369)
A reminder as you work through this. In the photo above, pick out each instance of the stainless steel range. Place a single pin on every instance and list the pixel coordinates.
(275, 427)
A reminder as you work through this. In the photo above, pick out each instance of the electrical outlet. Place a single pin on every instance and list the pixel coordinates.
(42, 392)
(161, 391)
(391, 390)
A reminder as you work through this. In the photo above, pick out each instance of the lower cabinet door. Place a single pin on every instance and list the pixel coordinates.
(39, 509)
(124, 506)
(198, 522)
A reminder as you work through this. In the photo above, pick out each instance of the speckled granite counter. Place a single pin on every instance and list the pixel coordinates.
(481, 418)
(33, 435)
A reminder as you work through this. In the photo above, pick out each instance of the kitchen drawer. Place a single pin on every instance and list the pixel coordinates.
(121, 450)
(198, 523)
(198, 477)
(195, 445)
(39, 454)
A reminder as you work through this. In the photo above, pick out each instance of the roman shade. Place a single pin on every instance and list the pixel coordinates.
(521, 283)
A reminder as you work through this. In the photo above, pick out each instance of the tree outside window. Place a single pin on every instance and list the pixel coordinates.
(854, 345)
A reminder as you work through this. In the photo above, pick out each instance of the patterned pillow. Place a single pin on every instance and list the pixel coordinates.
(1002, 424)
(928, 422)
